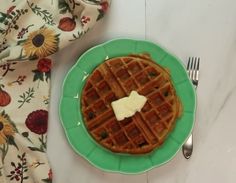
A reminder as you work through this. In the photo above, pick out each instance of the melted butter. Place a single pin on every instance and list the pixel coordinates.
(128, 106)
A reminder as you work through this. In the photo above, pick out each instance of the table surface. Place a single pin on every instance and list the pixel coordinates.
(202, 28)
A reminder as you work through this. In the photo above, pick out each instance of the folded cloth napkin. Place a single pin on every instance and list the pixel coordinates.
(30, 31)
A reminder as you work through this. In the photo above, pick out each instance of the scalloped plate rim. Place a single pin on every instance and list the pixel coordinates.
(66, 130)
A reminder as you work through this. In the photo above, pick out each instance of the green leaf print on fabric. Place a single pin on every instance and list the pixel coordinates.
(79, 34)
(46, 16)
(36, 149)
(11, 141)
(47, 180)
(100, 15)
(38, 75)
(10, 18)
(26, 97)
(47, 76)
(26, 135)
(102, 10)
(95, 1)
(3, 16)
(63, 7)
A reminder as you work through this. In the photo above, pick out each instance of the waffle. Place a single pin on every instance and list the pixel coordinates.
(115, 79)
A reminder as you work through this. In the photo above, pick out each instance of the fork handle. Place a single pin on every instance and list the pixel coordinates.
(187, 148)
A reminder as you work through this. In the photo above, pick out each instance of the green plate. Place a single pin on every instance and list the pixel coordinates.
(72, 121)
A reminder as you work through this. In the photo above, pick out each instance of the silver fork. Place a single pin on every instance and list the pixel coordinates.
(193, 72)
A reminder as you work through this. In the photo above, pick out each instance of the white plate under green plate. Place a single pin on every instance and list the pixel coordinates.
(72, 121)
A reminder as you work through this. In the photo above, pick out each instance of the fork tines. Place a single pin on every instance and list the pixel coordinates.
(193, 69)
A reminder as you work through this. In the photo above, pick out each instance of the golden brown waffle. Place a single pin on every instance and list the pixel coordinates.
(115, 79)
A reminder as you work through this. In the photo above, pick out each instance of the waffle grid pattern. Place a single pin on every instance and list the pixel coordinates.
(115, 79)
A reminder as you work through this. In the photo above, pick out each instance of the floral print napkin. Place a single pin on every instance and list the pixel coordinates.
(31, 31)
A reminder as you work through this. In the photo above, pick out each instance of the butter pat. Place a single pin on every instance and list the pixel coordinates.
(128, 106)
